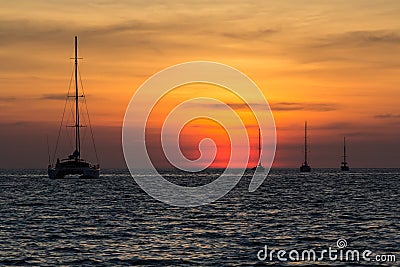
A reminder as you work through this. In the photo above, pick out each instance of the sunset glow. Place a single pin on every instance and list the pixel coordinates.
(334, 64)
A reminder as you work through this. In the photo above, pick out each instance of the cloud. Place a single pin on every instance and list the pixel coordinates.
(233, 105)
(351, 48)
(292, 106)
(387, 116)
(334, 126)
(241, 106)
(7, 99)
(14, 31)
(63, 96)
(331, 126)
(275, 106)
(159, 34)
(250, 35)
(53, 97)
(360, 38)
(33, 124)
(16, 123)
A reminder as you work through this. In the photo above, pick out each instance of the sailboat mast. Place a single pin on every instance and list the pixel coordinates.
(305, 142)
(77, 134)
(259, 147)
(344, 149)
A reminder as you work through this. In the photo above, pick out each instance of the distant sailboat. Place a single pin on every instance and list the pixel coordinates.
(74, 164)
(305, 167)
(344, 166)
(259, 165)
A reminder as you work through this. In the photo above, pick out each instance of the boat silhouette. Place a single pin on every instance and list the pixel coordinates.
(344, 166)
(305, 167)
(259, 165)
(74, 165)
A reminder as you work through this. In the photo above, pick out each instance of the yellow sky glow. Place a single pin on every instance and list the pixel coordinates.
(334, 64)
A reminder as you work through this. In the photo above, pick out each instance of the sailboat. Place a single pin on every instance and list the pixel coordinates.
(74, 165)
(344, 166)
(305, 167)
(259, 165)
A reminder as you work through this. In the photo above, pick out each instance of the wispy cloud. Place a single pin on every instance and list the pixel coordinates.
(62, 96)
(37, 124)
(53, 97)
(360, 38)
(164, 33)
(242, 106)
(292, 106)
(275, 106)
(7, 99)
(249, 35)
(233, 105)
(334, 126)
(387, 116)
(373, 48)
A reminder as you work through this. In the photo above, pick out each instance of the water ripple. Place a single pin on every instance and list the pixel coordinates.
(111, 221)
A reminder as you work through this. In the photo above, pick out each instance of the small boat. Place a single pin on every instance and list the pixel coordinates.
(344, 166)
(259, 165)
(305, 167)
(74, 165)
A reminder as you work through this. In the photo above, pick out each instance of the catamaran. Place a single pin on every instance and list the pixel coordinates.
(74, 165)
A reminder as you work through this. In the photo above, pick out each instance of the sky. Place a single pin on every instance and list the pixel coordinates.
(335, 64)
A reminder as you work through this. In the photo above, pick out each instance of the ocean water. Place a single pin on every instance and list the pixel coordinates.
(111, 221)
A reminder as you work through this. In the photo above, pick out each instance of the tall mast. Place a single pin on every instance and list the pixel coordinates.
(77, 134)
(344, 149)
(259, 147)
(305, 142)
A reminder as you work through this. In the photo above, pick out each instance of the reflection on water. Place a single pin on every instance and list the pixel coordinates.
(111, 221)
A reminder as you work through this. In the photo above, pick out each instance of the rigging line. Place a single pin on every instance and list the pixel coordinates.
(85, 147)
(68, 122)
(83, 118)
(84, 132)
(62, 120)
(87, 112)
(70, 138)
(71, 109)
(71, 106)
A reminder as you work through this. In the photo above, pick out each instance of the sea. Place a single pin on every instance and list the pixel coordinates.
(111, 221)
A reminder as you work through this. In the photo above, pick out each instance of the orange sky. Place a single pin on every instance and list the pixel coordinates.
(334, 64)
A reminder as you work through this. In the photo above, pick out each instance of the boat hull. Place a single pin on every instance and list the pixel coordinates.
(345, 168)
(83, 173)
(305, 168)
(258, 168)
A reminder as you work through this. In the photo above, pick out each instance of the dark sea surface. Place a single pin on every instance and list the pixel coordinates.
(111, 221)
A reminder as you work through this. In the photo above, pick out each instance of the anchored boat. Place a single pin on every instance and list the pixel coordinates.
(74, 165)
(305, 167)
(259, 165)
(344, 166)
